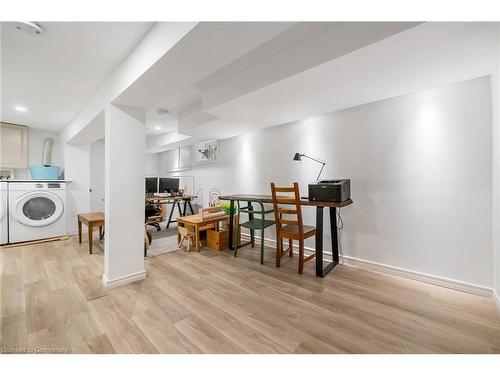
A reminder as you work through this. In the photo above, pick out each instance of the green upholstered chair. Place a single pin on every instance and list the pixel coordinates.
(256, 221)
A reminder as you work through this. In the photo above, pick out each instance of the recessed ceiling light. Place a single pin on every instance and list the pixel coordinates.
(157, 127)
(20, 108)
(163, 111)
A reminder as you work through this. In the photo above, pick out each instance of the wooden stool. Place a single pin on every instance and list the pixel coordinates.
(91, 220)
(184, 233)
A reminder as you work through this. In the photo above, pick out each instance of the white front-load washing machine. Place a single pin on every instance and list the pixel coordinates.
(36, 210)
(4, 218)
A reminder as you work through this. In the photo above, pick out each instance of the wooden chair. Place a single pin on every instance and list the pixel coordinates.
(147, 241)
(288, 215)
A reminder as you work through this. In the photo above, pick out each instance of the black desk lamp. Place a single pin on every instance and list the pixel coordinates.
(298, 157)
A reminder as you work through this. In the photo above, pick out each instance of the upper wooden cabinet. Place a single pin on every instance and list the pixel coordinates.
(14, 146)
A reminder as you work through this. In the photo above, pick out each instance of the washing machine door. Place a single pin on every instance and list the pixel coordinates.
(38, 208)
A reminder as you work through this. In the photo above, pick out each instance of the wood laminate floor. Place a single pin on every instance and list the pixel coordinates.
(209, 302)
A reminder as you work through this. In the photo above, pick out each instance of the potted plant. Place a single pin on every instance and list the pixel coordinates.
(227, 207)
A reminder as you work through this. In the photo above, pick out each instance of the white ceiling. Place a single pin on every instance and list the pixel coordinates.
(225, 78)
(53, 75)
(217, 62)
(244, 97)
(204, 50)
(171, 82)
(426, 56)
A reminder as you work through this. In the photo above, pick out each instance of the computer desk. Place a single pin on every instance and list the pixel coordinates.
(175, 201)
(321, 271)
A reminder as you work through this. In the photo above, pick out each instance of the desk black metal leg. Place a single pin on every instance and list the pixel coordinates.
(250, 217)
(190, 207)
(231, 222)
(170, 216)
(179, 208)
(319, 241)
(184, 210)
(334, 234)
(322, 271)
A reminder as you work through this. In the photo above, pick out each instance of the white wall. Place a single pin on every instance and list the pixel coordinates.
(495, 100)
(420, 168)
(96, 178)
(36, 138)
(152, 164)
(77, 162)
(125, 147)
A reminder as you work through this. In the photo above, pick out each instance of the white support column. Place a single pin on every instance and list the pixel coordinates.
(124, 198)
(495, 135)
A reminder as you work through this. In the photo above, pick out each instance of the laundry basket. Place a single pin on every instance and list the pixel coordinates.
(42, 172)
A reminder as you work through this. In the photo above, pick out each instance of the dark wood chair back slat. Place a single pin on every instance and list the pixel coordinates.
(282, 203)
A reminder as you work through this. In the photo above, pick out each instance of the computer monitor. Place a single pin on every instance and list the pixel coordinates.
(168, 185)
(151, 185)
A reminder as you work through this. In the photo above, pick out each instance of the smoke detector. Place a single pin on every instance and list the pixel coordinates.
(162, 111)
(28, 27)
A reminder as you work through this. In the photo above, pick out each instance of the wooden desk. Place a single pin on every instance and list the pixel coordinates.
(91, 220)
(321, 271)
(195, 222)
(175, 201)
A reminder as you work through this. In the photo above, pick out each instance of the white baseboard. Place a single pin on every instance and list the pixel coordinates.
(402, 272)
(123, 280)
(419, 276)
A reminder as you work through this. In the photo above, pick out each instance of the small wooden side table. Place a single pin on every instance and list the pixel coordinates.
(91, 220)
(197, 224)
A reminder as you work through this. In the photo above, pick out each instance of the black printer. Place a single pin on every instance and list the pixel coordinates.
(330, 190)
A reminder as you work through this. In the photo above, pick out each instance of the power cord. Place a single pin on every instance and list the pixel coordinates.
(340, 224)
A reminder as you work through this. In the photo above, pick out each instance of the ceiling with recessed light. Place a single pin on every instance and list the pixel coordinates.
(53, 75)
(222, 79)
(241, 58)
(301, 70)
